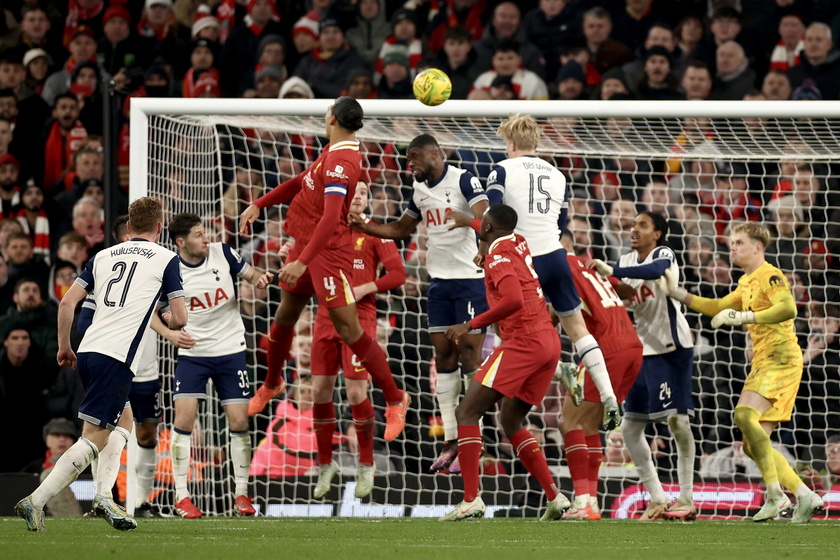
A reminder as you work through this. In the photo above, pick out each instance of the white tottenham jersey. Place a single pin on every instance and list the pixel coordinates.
(537, 191)
(660, 321)
(450, 253)
(147, 367)
(215, 322)
(127, 280)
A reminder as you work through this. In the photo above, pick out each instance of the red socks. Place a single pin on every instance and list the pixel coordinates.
(596, 453)
(577, 457)
(363, 422)
(373, 358)
(531, 455)
(469, 452)
(279, 344)
(323, 422)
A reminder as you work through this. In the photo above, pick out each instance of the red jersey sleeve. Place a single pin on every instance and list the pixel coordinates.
(281, 193)
(511, 302)
(390, 258)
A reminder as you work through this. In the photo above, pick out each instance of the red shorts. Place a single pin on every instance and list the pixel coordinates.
(329, 352)
(522, 367)
(327, 277)
(623, 368)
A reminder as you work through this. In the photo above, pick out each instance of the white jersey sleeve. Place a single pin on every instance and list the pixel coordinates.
(215, 322)
(660, 322)
(127, 280)
(450, 252)
(537, 191)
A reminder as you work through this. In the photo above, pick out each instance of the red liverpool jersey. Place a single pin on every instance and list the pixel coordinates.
(336, 170)
(511, 256)
(604, 312)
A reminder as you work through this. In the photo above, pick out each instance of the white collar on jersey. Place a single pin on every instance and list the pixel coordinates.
(346, 145)
(499, 240)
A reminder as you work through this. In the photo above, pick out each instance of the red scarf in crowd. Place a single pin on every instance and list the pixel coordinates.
(59, 150)
(41, 235)
(473, 22)
(75, 14)
(158, 33)
(226, 14)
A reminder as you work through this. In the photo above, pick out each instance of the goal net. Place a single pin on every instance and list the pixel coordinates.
(705, 165)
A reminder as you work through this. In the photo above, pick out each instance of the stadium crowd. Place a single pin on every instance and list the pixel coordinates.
(54, 56)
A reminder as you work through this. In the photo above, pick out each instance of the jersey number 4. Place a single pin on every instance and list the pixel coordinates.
(120, 268)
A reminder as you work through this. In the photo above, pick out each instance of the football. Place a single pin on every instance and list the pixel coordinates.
(432, 87)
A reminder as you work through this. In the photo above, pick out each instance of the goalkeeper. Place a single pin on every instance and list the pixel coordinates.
(764, 303)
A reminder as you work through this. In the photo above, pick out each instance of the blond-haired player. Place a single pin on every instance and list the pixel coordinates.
(764, 303)
(537, 191)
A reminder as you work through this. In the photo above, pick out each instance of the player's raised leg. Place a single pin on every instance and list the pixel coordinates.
(280, 339)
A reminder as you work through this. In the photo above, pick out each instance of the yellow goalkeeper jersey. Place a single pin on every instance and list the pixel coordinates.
(776, 341)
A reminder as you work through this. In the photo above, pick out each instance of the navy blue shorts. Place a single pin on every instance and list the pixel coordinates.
(451, 302)
(557, 282)
(663, 387)
(145, 401)
(229, 374)
(107, 383)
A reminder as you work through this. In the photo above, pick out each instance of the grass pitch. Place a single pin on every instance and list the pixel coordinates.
(409, 539)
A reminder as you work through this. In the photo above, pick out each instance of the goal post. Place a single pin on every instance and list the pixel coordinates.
(707, 164)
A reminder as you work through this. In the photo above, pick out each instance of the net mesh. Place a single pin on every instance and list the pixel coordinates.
(705, 174)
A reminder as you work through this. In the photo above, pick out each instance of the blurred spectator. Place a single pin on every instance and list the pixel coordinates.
(786, 52)
(371, 30)
(505, 24)
(790, 231)
(508, 62)
(22, 261)
(6, 289)
(808, 188)
(8, 226)
(64, 133)
(36, 63)
(9, 188)
(84, 84)
(35, 32)
(305, 36)
(296, 88)
(360, 85)
(267, 82)
(616, 453)
(72, 247)
(634, 20)
(697, 81)
(502, 89)
(83, 13)
(30, 312)
(87, 221)
(815, 264)
(819, 61)
(202, 61)
(657, 81)
(688, 34)
(59, 434)
(240, 48)
(552, 25)
(616, 228)
(659, 35)
(82, 48)
(120, 51)
(733, 200)
(34, 219)
(727, 23)
(404, 39)
(605, 52)
(205, 25)
(158, 21)
(470, 14)
(571, 81)
(458, 59)
(327, 67)
(734, 76)
(776, 85)
(613, 82)
(396, 80)
(23, 379)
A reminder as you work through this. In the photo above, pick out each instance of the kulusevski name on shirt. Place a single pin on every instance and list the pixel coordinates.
(142, 251)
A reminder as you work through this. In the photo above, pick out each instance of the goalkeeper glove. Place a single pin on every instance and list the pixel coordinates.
(602, 267)
(669, 284)
(732, 317)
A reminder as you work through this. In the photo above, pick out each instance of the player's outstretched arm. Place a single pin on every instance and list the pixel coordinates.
(179, 339)
(399, 229)
(280, 194)
(512, 301)
(459, 220)
(66, 310)
(247, 218)
(254, 277)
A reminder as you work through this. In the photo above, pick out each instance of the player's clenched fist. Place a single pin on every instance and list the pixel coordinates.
(248, 217)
